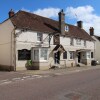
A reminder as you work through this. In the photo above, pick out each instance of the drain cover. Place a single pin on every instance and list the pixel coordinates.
(73, 96)
(76, 96)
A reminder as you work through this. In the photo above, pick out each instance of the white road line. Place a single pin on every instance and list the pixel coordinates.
(58, 74)
(35, 75)
(26, 76)
(3, 80)
(46, 76)
(6, 82)
(16, 79)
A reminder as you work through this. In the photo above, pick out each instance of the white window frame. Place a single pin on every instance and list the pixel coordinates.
(88, 54)
(71, 54)
(39, 37)
(78, 41)
(40, 58)
(35, 52)
(84, 43)
(71, 41)
(66, 28)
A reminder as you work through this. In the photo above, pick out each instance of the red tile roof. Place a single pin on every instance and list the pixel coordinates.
(35, 22)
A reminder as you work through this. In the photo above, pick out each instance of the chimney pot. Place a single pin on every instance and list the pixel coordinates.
(62, 22)
(79, 24)
(11, 13)
(91, 31)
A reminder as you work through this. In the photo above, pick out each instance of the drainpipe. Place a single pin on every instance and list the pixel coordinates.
(13, 49)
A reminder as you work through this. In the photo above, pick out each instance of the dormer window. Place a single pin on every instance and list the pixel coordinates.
(66, 28)
(39, 37)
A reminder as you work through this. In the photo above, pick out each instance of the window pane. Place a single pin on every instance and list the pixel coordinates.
(91, 54)
(36, 54)
(78, 41)
(24, 54)
(39, 36)
(44, 54)
(71, 55)
(88, 54)
(71, 41)
(65, 55)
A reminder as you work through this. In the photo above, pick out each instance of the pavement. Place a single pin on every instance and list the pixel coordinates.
(30, 73)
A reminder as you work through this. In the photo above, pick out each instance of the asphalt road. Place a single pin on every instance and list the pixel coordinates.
(83, 85)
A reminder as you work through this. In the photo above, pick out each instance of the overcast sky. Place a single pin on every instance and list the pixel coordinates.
(87, 11)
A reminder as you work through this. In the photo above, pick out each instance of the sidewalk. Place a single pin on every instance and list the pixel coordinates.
(24, 73)
(62, 71)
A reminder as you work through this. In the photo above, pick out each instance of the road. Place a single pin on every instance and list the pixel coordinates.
(83, 85)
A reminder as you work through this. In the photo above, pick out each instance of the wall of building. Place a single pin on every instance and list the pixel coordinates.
(65, 41)
(97, 48)
(6, 44)
(27, 40)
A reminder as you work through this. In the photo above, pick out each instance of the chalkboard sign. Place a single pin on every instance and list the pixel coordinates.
(24, 54)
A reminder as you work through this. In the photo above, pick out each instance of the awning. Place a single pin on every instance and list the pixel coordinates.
(60, 48)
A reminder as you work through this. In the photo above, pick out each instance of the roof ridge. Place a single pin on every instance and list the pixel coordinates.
(37, 15)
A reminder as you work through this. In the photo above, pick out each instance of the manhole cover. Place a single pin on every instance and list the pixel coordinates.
(73, 96)
(76, 96)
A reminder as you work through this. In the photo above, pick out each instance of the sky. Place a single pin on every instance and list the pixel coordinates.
(87, 11)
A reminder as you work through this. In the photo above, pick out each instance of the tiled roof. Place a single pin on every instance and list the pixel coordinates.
(35, 22)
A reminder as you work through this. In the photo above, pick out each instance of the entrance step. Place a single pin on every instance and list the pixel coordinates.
(81, 65)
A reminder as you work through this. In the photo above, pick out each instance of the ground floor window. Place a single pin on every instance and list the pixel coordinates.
(88, 54)
(24, 54)
(71, 54)
(91, 54)
(44, 53)
(40, 54)
(65, 55)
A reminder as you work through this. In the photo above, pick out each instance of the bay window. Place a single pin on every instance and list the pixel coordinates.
(36, 54)
(40, 54)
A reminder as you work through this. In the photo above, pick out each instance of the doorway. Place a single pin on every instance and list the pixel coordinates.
(79, 57)
(57, 57)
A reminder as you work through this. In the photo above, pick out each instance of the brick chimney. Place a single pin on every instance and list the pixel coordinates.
(62, 22)
(91, 31)
(11, 13)
(79, 24)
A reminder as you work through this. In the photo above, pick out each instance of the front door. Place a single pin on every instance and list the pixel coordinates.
(57, 57)
(79, 57)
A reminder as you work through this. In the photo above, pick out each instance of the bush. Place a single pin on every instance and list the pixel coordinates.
(29, 64)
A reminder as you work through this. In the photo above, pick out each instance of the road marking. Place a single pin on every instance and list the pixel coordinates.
(6, 82)
(26, 76)
(16, 78)
(58, 74)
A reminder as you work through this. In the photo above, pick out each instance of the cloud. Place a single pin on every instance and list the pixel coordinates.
(85, 14)
(48, 12)
(25, 9)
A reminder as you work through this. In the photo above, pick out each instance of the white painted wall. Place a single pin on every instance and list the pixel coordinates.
(27, 40)
(6, 32)
(65, 41)
(97, 48)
